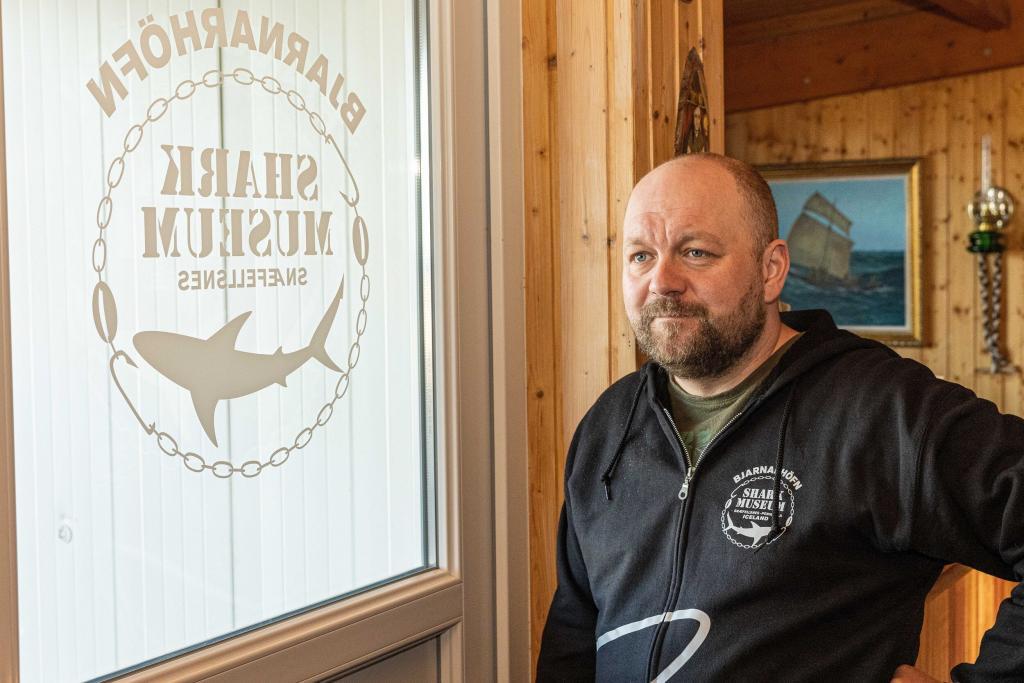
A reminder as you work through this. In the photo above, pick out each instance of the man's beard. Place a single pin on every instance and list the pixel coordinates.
(711, 350)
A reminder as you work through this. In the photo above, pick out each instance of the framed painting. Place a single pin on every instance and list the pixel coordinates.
(854, 234)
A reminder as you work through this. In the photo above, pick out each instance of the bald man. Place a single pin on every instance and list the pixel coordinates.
(770, 498)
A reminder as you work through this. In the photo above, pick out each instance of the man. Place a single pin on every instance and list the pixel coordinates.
(770, 499)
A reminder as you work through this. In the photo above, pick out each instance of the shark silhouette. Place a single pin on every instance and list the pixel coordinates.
(754, 532)
(213, 370)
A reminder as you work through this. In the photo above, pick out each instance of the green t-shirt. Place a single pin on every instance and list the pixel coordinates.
(700, 418)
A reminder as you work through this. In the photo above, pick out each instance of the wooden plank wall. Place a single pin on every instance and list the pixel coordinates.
(600, 86)
(942, 121)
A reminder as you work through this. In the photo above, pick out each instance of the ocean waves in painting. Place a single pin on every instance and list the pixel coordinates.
(874, 295)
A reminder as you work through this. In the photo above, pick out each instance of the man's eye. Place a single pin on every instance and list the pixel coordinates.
(640, 257)
(697, 253)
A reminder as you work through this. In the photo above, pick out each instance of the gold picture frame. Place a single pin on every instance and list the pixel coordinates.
(826, 211)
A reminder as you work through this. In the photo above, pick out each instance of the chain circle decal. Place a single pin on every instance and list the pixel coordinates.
(748, 514)
(104, 304)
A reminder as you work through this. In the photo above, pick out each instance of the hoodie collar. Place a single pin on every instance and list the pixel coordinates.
(821, 341)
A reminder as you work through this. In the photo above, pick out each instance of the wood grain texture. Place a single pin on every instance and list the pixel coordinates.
(941, 121)
(601, 81)
(623, 172)
(963, 296)
(542, 300)
(745, 11)
(987, 15)
(936, 216)
(773, 23)
(583, 217)
(906, 141)
(664, 77)
(888, 51)
(710, 36)
(8, 536)
(989, 118)
(1013, 258)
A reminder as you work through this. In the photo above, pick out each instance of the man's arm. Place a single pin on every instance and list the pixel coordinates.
(968, 507)
(568, 647)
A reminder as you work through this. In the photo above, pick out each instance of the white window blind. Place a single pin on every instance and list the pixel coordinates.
(124, 553)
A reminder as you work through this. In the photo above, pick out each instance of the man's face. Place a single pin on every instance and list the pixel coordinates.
(693, 288)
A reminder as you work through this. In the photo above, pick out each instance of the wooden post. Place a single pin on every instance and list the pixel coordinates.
(592, 71)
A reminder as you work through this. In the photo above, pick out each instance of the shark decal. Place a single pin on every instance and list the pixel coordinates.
(755, 532)
(212, 370)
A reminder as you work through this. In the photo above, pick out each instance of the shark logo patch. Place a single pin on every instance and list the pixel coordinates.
(749, 511)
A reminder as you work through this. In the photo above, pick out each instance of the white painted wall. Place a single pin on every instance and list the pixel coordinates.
(155, 558)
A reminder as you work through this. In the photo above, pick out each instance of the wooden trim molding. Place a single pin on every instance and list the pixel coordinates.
(508, 340)
(310, 645)
(8, 527)
(600, 94)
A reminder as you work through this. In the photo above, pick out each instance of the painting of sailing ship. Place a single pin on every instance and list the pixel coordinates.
(853, 234)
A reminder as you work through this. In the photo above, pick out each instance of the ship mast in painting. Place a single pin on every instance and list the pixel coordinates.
(820, 243)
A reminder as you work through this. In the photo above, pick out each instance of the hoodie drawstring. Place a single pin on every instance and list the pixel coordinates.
(777, 529)
(606, 478)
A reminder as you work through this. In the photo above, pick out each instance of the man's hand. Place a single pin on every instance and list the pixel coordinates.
(908, 674)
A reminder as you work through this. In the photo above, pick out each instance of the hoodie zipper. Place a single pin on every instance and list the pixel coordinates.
(691, 470)
(691, 467)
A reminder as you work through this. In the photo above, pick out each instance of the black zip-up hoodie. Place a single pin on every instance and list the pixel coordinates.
(882, 474)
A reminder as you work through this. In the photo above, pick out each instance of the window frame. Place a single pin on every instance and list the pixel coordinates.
(457, 599)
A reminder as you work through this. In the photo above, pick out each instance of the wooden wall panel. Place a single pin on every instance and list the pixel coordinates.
(936, 218)
(962, 295)
(705, 28)
(626, 107)
(1013, 176)
(543, 302)
(989, 114)
(905, 138)
(583, 218)
(941, 121)
(663, 25)
(600, 88)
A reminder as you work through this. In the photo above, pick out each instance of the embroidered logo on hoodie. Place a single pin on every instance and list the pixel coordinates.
(750, 513)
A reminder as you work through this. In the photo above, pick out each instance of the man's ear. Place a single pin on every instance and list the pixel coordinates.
(774, 268)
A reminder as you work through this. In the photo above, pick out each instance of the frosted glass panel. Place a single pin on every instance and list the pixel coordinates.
(221, 380)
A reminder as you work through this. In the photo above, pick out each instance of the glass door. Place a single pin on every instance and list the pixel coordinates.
(230, 257)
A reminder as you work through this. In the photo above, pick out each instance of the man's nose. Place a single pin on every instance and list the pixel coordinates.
(667, 278)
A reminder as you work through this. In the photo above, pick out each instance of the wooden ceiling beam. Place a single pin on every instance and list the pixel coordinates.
(988, 15)
(744, 11)
(776, 25)
(885, 52)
